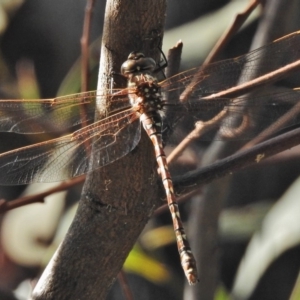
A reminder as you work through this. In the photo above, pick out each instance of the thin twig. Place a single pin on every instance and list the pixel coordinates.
(84, 41)
(200, 128)
(174, 56)
(222, 42)
(237, 161)
(274, 127)
(21, 201)
(125, 286)
(181, 199)
(230, 32)
(256, 83)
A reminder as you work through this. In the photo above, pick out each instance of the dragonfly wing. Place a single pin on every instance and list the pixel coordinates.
(245, 116)
(249, 116)
(69, 156)
(225, 74)
(50, 115)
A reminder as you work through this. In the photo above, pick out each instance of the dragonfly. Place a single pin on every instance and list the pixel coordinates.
(144, 103)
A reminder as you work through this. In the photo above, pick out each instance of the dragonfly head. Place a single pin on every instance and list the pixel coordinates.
(137, 63)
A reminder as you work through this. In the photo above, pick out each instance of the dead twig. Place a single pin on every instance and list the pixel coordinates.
(230, 32)
(21, 201)
(125, 285)
(237, 161)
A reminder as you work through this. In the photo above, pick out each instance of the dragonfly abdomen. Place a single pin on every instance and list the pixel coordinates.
(152, 126)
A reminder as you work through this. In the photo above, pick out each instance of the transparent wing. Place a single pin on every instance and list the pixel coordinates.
(58, 114)
(51, 115)
(249, 114)
(225, 74)
(69, 156)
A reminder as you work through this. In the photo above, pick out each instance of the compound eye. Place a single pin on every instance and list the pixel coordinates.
(135, 55)
(129, 66)
(137, 62)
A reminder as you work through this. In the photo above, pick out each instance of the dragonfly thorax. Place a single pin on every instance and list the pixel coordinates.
(145, 93)
(143, 88)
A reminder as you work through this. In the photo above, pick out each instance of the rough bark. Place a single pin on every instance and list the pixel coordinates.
(117, 200)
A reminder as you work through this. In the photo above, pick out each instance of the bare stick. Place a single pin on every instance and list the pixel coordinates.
(256, 83)
(174, 56)
(232, 30)
(200, 129)
(236, 24)
(237, 161)
(21, 201)
(274, 127)
(125, 286)
(84, 41)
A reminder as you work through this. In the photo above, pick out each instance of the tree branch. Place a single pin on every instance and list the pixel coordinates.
(242, 159)
(116, 203)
